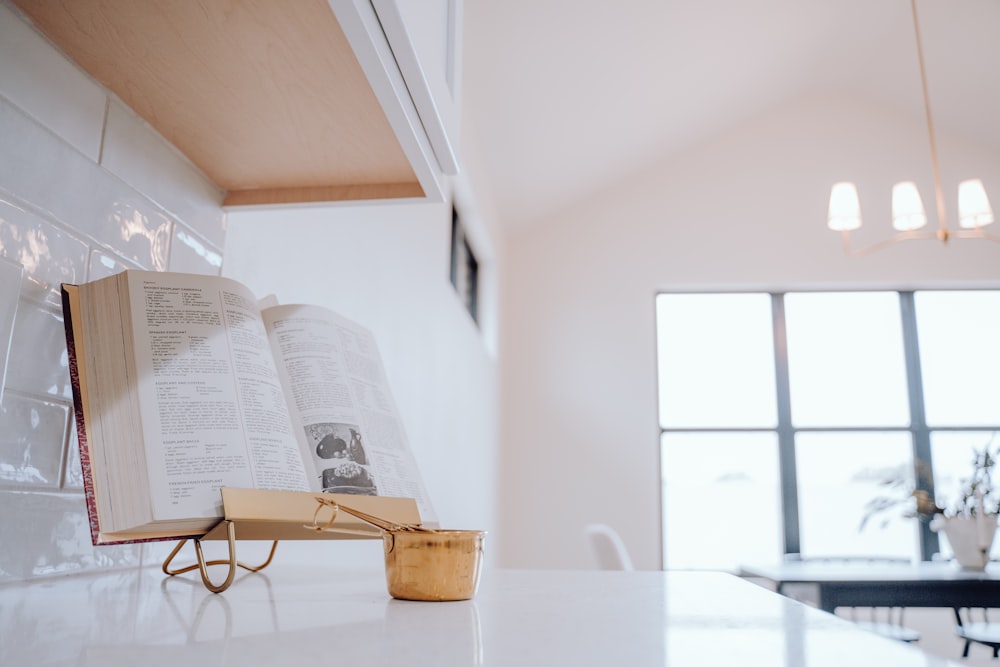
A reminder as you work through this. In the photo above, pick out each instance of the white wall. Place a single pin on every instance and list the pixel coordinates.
(387, 267)
(744, 211)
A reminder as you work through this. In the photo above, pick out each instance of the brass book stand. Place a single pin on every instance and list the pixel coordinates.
(284, 515)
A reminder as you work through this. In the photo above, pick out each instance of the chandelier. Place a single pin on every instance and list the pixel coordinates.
(908, 215)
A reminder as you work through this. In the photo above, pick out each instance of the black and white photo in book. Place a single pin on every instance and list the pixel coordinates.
(339, 455)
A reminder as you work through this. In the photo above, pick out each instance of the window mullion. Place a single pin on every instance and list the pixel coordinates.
(929, 544)
(786, 434)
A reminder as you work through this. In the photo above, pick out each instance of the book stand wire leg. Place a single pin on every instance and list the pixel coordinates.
(202, 564)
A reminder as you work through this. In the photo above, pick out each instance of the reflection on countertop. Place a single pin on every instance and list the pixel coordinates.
(309, 615)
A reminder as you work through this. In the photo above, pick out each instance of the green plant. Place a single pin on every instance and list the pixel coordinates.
(978, 491)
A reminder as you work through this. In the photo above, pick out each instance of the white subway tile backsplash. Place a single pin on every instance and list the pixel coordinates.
(50, 255)
(40, 364)
(139, 155)
(104, 264)
(38, 79)
(66, 218)
(192, 254)
(72, 469)
(81, 194)
(10, 291)
(38, 166)
(138, 232)
(32, 433)
(49, 533)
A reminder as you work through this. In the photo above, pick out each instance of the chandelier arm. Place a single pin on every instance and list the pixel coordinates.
(976, 233)
(845, 237)
(938, 190)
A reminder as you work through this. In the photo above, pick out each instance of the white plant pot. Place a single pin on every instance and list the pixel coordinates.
(970, 538)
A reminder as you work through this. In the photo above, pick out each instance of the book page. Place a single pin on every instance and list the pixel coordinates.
(213, 412)
(340, 402)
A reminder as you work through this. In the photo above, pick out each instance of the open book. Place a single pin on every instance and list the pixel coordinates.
(183, 385)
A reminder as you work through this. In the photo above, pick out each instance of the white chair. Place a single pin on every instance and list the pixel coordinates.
(892, 626)
(607, 547)
(977, 629)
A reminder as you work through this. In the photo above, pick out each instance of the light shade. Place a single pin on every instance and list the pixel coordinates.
(974, 208)
(907, 207)
(845, 209)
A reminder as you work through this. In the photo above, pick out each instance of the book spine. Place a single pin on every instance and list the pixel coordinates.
(81, 428)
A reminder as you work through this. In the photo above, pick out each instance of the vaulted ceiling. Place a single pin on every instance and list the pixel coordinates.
(568, 96)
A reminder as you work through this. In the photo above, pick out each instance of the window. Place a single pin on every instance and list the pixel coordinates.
(464, 268)
(781, 415)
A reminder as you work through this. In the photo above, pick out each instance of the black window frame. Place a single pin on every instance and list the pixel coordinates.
(786, 431)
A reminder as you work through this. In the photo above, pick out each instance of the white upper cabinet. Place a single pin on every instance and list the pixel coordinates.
(425, 36)
(282, 102)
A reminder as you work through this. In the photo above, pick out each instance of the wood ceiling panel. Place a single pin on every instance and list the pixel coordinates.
(260, 95)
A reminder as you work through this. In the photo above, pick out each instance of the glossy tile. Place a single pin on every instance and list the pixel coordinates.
(104, 264)
(73, 471)
(192, 254)
(49, 254)
(43, 534)
(31, 150)
(48, 86)
(139, 232)
(32, 434)
(80, 194)
(141, 156)
(137, 153)
(10, 295)
(40, 364)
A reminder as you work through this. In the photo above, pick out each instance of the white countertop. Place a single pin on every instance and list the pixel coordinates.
(314, 616)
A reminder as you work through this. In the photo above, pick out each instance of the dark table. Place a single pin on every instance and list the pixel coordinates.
(859, 584)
